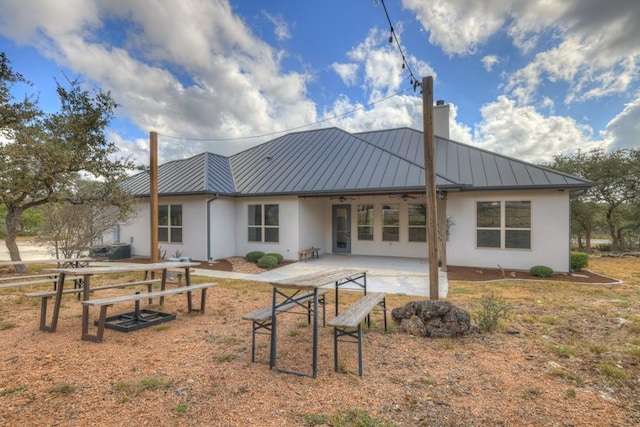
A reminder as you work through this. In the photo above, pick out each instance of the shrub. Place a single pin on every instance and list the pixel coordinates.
(267, 261)
(541, 271)
(579, 260)
(279, 257)
(254, 256)
(493, 309)
(604, 247)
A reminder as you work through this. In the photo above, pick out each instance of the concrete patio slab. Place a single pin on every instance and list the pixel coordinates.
(392, 275)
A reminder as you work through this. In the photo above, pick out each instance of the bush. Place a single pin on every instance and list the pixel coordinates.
(493, 309)
(541, 271)
(279, 257)
(604, 247)
(579, 260)
(254, 256)
(267, 261)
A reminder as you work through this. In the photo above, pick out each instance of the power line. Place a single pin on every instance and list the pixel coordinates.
(290, 129)
(394, 37)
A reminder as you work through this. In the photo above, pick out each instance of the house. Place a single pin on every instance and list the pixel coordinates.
(362, 194)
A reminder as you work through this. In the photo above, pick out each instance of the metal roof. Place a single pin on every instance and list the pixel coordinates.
(472, 168)
(332, 162)
(205, 173)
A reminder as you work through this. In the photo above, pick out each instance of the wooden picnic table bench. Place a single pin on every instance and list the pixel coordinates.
(105, 303)
(261, 319)
(44, 302)
(349, 323)
(308, 253)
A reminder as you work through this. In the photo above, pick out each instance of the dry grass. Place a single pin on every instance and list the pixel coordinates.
(567, 355)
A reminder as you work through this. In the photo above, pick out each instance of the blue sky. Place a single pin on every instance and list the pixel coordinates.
(528, 79)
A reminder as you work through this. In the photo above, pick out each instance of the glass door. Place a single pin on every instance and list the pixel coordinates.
(341, 229)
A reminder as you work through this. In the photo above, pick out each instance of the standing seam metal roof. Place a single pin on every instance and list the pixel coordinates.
(332, 161)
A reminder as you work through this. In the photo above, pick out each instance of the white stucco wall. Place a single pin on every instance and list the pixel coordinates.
(193, 228)
(222, 230)
(289, 226)
(550, 219)
(312, 218)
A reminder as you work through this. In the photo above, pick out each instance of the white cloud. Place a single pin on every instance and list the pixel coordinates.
(190, 68)
(460, 26)
(489, 61)
(281, 26)
(624, 130)
(524, 133)
(595, 51)
(347, 72)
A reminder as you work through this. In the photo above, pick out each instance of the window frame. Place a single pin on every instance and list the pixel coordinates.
(265, 226)
(502, 228)
(170, 227)
(370, 217)
(411, 226)
(387, 207)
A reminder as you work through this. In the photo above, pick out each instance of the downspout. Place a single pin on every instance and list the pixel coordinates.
(215, 197)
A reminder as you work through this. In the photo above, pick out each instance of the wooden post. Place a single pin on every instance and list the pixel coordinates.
(153, 174)
(430, 184)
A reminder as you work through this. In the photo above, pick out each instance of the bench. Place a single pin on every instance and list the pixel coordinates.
(48, 294)
(349, 323)
(36, 279)
(308, 253)
(261, 319)
(105, 303)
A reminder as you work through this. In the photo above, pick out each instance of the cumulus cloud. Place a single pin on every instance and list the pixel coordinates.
(524, 133)
(624, 130)
(489, 61)
(347, 72)
(595, 52)
(180, 82)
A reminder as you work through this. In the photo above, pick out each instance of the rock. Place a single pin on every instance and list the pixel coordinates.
(434, 319)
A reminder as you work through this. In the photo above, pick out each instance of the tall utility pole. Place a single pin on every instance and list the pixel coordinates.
(153, 174)
(430, 184)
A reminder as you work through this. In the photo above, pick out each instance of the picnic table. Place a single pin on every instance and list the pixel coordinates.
(310, 282)
(88, 272)
(62, 262)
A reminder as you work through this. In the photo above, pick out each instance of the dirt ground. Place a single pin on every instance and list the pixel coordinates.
(568, 355)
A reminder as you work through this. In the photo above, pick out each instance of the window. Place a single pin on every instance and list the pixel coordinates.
(391, 223)
(170, 223)
(365, 222)
(264, 223)
(504, 225)
(417, 223)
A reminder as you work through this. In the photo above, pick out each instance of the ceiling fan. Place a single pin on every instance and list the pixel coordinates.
(342, 198)
(404, 197)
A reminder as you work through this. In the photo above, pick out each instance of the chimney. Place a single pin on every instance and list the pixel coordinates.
(441, 119)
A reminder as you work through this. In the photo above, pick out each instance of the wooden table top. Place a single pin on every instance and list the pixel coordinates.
(318, 279)
(125, 268)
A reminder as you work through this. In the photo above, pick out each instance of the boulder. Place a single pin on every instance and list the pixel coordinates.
(434, 319)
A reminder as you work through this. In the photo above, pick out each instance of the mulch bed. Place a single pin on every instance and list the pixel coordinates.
(490, 274)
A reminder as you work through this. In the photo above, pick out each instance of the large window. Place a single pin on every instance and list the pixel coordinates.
(264, 223)
(417, 223)
(365, 222)
(505, 225)
(391, 223)
(170, 223)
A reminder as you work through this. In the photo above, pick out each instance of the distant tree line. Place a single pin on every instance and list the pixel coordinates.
(612, 207)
